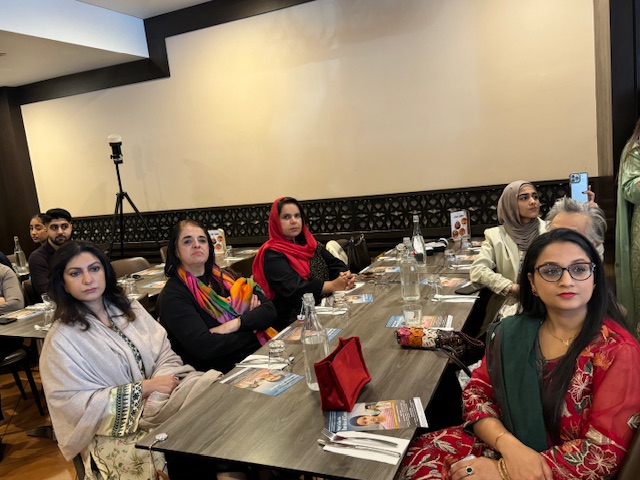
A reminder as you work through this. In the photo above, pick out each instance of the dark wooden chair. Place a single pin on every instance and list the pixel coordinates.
(30, 295)
(16, 361)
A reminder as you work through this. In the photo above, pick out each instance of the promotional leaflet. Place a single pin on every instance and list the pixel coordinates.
(381, 415)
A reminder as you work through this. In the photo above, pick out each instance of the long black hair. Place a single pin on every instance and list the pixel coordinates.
(173, 262)
(600, 305)
(71, 311)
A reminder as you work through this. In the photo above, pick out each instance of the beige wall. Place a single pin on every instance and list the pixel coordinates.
(335, 98)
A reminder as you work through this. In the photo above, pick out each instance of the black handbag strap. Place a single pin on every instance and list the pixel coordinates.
(453, 356)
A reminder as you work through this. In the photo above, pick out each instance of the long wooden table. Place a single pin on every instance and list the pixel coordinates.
(232, 424)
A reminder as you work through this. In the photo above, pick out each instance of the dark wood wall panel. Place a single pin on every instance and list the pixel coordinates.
(18, 197)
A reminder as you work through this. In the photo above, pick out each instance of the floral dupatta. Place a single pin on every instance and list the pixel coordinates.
(221, 308)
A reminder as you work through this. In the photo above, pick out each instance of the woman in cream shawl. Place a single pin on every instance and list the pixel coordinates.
(107, 368)
(498, 263)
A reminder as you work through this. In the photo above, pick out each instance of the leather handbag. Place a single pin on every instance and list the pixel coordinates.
(357, 253)
(342, 375)
(453, 344)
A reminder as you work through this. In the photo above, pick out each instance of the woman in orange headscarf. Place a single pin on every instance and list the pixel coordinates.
(292, 263)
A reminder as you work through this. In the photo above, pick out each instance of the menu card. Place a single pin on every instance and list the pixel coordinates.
(428, 321)
(381, 415)
(460, 226)
(446, 281)
(219, 241)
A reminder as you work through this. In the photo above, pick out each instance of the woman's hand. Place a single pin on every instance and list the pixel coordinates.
(255, 302)
(523, 463)
(483, 469)
(591, 197)
(227, 327)
(351, 279)
(515, 289)
(161, 383)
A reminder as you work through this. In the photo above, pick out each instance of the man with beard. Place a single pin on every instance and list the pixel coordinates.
(59, 230)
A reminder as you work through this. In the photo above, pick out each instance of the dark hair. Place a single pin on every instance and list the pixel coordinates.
(42, 217)
(292, 201)
(70, 310)
(600, 305)
(55, 213)
(173, 262)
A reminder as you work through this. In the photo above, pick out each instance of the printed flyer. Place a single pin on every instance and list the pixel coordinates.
(381, 415)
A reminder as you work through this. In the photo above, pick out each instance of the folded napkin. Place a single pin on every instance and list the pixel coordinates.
(259, 361)
(367, 454)
(356, 286)
(462, 267)
(453, 298)
(38, 307)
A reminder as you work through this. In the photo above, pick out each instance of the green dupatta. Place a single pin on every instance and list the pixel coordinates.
(511, 362)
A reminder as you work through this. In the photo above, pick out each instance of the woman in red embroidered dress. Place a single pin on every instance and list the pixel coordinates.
(558, 393)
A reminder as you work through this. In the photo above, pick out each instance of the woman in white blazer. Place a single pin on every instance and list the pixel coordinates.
(498, 263)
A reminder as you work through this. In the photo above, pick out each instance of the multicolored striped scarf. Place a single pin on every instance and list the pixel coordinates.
(221, 308)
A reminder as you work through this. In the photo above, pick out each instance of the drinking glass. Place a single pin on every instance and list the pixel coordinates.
(49, 305)
(435, 284)
(449, 258)
(131, 290)
(278, 360)
(228, 252)
(465, 246)
(412, 313)
(382, 280)
(341, 306)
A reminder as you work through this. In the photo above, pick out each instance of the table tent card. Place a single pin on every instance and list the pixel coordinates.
(460, 225)
(219, 240)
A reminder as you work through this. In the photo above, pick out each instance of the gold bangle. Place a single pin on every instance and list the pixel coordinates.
(495, 442)
(502, 469)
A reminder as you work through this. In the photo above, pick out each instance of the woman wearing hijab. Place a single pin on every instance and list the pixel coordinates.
(500, 257)
(292, 263)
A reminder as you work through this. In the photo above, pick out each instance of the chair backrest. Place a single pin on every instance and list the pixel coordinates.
(357, 253)
(631, 463)
(30, 295)
(127, 266)
(163, 253)
(243, 267)
(12, 258)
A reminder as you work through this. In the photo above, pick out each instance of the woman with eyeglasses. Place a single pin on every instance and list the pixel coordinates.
(498, 262)
(557, 395)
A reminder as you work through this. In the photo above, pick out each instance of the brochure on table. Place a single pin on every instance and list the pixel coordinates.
(381, 415)
(443, 322)
(446, 281)
(261, 381)
(292, 334)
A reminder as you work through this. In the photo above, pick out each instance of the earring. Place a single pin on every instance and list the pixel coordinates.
(534, 290)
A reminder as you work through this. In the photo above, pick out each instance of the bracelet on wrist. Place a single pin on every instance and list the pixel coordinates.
(495, 442)
(502, 470)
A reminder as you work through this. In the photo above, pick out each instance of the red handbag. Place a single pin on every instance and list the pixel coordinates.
(342, 375)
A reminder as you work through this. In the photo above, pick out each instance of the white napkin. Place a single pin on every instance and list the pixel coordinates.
(453, 298)
(367, 454)
(461, 267)
(356, 286)
(256, 361)
(37, 306)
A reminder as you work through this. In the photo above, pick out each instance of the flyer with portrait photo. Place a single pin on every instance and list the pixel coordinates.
(381, 415)
(261, 381)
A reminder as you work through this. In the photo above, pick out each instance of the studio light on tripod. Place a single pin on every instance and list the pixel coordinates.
(116, 147)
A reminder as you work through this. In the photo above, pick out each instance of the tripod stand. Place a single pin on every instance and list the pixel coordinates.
(119, 213)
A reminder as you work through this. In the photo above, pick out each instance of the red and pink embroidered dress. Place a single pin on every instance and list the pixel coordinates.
(602, 412)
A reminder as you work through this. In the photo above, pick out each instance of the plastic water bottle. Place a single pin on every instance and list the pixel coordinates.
(417, 241)
(315, 341)
(409, 277)
(21, 260)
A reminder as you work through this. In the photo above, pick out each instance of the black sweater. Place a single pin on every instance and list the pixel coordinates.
(188, 327)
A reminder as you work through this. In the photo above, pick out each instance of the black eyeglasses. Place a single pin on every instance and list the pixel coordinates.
(577, 271)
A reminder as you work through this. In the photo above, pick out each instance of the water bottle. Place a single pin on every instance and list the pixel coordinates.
(417, 242)
(315, 342)
(21, 260)
(409, 277)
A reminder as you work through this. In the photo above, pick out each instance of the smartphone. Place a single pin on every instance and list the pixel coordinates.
(578, 183)
(5, 320)
(469, 288)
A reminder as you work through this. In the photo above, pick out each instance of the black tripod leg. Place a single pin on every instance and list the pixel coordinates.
(126, 195)
(117, 212)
